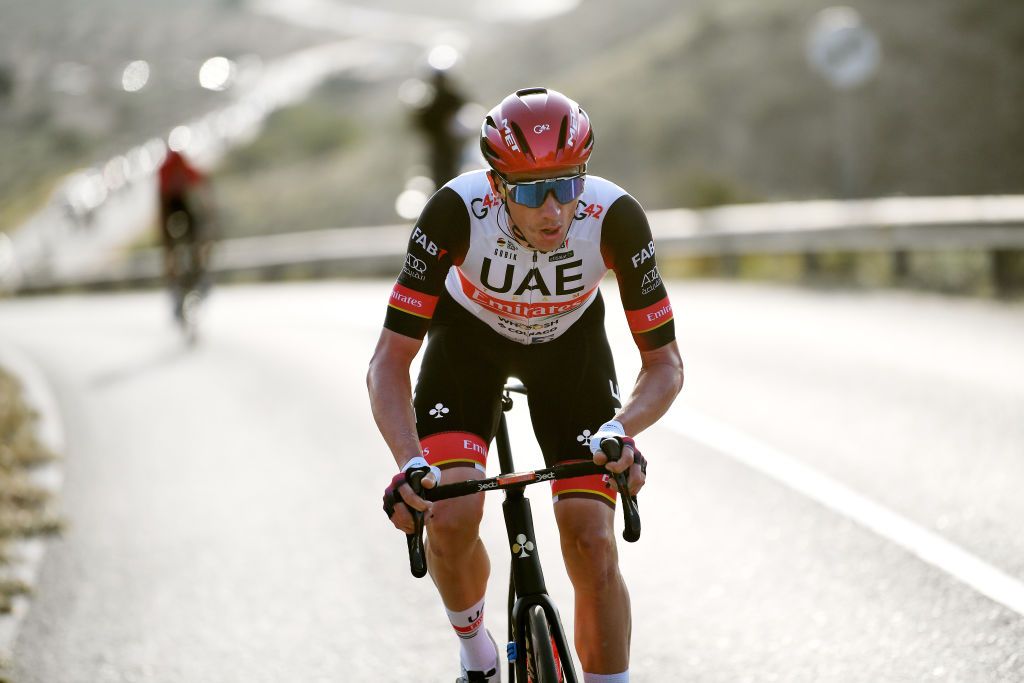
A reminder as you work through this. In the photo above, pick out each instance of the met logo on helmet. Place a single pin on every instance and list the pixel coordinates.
(574, 129)
(510, 139)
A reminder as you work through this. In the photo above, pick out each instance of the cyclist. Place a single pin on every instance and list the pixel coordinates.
(185, 219)
(502, 269)
(437, 119)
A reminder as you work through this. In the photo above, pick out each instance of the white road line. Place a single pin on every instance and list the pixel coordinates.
(927, 545)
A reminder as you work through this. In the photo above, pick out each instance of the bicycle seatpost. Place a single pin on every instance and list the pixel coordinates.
(630, 512)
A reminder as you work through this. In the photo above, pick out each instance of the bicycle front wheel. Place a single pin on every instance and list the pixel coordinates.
(542, 662)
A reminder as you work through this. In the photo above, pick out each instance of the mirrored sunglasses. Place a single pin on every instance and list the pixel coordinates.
(532, 194)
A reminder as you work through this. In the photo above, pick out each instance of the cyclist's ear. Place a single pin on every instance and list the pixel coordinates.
(496, 185)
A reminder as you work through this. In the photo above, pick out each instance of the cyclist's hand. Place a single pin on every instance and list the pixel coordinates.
(630, 460)
(610, 430)
(637, 468)
(399, 496)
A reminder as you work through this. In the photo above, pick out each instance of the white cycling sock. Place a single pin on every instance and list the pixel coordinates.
(606, 678)
(477, 649)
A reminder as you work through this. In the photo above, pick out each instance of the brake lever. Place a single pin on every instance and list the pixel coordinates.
(414, 541)
(612, 448)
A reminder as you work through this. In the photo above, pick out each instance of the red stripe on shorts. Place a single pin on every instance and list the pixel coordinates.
(594, 486)
(455, 449)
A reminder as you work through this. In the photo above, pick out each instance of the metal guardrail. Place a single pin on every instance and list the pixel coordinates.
(899, 223)
(991, 223)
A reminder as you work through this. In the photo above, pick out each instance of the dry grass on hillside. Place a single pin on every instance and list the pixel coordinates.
(26, 509)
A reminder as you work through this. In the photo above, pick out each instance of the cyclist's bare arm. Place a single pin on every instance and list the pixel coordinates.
(390, 388)
(657, 385)
(659, 381)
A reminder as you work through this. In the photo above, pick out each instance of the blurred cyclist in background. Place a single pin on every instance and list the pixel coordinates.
(186, 227)
(437, 119)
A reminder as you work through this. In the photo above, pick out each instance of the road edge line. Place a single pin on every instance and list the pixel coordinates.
(836, 496)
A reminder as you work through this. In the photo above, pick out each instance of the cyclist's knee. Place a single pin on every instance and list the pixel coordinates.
(455, 523)
(588, 541)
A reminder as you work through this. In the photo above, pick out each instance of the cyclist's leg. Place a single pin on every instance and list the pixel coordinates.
(457, 401)
(573, 392)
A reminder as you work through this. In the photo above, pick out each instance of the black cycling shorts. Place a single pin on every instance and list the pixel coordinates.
(571, 384)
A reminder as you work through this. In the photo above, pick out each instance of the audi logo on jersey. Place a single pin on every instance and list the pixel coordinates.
(415, 264)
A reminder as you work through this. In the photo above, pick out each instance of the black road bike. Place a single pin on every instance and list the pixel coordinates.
(537, 649)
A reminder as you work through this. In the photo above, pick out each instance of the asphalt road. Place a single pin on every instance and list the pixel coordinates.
(225, 525)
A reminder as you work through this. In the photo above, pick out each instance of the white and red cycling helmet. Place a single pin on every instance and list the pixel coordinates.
(536, 129)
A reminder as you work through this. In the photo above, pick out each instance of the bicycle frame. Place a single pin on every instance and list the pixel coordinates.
(526, 576)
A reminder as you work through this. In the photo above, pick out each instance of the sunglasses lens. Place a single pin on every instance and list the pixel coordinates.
(532, 195)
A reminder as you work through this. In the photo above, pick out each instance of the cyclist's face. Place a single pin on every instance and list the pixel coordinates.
(546, 226)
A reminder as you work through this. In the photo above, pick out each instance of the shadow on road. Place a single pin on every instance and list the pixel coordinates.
(165, 357)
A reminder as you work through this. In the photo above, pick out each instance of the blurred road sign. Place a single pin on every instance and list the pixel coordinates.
(842, 48)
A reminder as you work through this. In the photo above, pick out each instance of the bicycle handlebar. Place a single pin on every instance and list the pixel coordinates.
(630, 512)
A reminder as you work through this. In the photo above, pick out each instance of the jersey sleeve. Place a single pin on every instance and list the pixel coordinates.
(628, 249)
(438, 241)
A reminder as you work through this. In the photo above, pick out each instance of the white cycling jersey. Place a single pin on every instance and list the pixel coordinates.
(463, 246)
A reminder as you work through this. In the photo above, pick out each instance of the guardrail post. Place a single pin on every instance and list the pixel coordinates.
(1007, 267)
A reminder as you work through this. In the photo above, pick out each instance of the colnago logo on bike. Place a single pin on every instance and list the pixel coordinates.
(521, 546)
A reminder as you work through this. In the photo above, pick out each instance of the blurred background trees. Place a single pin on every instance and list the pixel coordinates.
(694, 103)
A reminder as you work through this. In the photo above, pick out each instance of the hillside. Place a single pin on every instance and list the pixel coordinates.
(703, 103)
(61, 102)
(694, 103)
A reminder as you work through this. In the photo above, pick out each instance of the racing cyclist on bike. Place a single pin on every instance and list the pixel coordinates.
(185, 222)
(502, 269)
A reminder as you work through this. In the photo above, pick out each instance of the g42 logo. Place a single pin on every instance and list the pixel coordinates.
(481, 206)
(591, 210)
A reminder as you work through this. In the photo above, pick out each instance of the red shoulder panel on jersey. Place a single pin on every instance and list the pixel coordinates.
(652, 317)
(412, 302)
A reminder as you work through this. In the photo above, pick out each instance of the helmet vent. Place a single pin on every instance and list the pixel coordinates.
(563, 133)
(521, 139)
